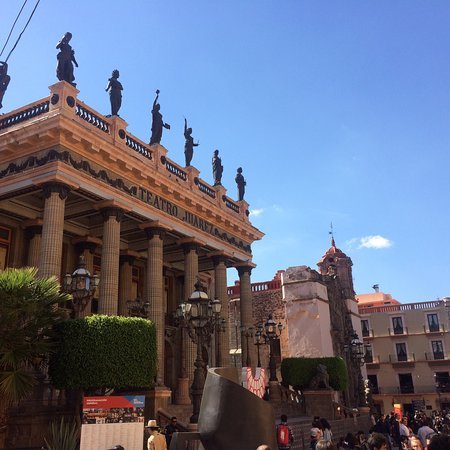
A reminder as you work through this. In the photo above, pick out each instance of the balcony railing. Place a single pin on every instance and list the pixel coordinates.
(367, 333)
(398, 331)
(439, 328)
(434, 356)
(405, 307)
(401, 357)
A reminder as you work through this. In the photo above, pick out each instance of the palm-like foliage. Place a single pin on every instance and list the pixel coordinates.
(62, 436)
(28, 311)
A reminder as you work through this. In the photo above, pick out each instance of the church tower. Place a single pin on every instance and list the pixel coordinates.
(336, 263)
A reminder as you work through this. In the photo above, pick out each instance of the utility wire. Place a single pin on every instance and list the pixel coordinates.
(12, 28)
(24, 28)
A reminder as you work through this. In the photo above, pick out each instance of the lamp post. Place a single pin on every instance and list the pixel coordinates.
(260, 340)
(201, 315)
(272, 334)
(81, 285)
(355, 348)
(138, 308)
(219, 327)
(247, 332)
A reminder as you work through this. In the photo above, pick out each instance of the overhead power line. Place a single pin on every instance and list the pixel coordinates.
(24, 28)
(12, 28)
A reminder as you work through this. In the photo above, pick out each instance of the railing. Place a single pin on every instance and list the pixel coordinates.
(86, 114)
(434, 329)
(138, 146)
(367, 333)
(435, 356)
(173, 168)
(402, 357)
(24, 114)
(203, 187)
(256, 287)
(230, 204)
(405, 307)
(398, 331)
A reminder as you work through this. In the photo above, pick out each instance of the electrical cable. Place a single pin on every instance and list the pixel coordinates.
(12, 28)
(24, 28)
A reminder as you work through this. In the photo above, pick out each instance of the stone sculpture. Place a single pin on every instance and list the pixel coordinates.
(321, 379)
(217, 168)
(4, 80)
(241, 183)
(115, 92)
(188, 144)
(157, 122)
(66, 60)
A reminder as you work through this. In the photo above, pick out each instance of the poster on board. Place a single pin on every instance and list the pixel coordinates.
(109, 421)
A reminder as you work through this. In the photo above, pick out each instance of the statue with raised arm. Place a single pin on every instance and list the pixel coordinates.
(188, 144)
(157, 122)
(66, 60)
(115, 92)
(240, 181)
(4, 80)
(217, 168)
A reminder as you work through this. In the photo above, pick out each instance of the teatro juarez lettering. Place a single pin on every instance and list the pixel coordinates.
(173, 210)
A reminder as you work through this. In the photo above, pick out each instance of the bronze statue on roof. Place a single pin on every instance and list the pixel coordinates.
(66, 60)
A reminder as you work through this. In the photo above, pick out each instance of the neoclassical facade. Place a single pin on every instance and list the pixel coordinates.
(74, 182)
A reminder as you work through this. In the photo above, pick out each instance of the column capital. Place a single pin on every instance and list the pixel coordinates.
(32, 230)
(86, 243)
(190, 244)
(219, 257)
(112, 212)
(244, 267)
(128, 257)
(60, 188)
(154, 228)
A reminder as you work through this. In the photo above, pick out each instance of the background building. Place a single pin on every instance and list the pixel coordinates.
(406, 352)
(318, 311)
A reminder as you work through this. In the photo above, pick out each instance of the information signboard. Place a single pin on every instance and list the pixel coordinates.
(111, 420)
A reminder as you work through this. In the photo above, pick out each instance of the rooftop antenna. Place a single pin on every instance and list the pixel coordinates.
(376, 287)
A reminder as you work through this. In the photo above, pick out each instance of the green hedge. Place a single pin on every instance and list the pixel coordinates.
(104, 352)
(299, 372)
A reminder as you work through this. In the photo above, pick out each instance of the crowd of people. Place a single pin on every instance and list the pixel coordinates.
(389, 432)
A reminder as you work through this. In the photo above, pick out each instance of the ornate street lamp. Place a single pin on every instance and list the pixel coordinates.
(260, 340)
(201, 315)
(247, 332)
(138, 308)
(82, 285)
(355, 349)
(272, 334)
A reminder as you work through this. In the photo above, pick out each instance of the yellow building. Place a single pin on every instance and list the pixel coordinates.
(407, 348)
(74, 182)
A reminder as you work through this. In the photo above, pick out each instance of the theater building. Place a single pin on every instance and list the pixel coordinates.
(74, 182)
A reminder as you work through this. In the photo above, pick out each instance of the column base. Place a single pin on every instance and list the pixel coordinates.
(182, 392)
(157, 398)
(274, 389)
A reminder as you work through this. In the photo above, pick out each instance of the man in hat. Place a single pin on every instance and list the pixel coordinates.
(156, 441)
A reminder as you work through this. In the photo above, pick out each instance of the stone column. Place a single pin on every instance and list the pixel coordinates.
(125, 281)
(33, 232)
(220, 281)
(86, 246)
(190, 277)
(109, 273)
(50, 253)
(246, 310)
(155, 286)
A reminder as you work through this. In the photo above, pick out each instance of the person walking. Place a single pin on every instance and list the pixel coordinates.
(156, 441)
(285, 437)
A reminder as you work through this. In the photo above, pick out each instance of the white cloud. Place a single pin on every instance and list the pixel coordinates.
(376, 241)
(256, 212)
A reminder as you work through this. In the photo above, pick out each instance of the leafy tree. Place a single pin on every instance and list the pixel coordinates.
(28, 312)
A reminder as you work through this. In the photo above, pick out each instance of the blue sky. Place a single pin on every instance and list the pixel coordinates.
(338, 111)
